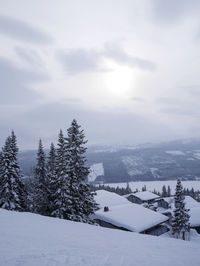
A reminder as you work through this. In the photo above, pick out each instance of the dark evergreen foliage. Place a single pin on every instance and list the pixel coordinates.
(168, 191)
(41, 193)
(80, 199)
(164, 191)
(121, 191)
(60, 182)
(12, 191)
(180, 221)
(144, 188)
(51, 178)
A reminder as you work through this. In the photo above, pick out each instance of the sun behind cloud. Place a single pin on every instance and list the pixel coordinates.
(119, 81)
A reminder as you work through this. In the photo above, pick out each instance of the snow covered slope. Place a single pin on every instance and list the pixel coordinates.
(34, 240)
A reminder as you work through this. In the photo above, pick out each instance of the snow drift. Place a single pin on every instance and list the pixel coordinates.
(34, 240)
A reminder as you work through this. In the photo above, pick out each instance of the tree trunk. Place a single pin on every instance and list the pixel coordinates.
(183, 234)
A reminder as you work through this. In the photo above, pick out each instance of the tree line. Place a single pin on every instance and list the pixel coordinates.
(166, 191)
(120, 191)
(59, 186)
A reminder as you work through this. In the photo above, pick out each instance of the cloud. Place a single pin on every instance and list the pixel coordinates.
(178, 106)
(120, 56)
(44, 122)
(138, 99)
(22, 31)
(76, 61)
(80, 60)
(15, 83)
(177, 111)
(29, 56)
(168, 101)
(172, 10)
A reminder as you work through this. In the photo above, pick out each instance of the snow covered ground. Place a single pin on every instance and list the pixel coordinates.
(151, 185)
(33, 240)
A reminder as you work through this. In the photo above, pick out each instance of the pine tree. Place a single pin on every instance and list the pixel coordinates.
(41, 193)
(128, 189)
(80, 201)
(144, 188)
(168, 191)
(61, 190)
(17, 170)
(12, 192)
(51, 177)
(180, 221)
(164, 191)
(1, 165)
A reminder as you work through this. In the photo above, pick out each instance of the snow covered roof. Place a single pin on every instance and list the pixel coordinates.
(189, 202)
(106, 198)
(144, 195)
(131, 216)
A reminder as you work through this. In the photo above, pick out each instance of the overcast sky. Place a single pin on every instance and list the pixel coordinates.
(128, 71)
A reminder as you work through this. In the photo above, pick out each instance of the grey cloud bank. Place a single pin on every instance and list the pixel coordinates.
(15, 82)
(123, 69)
(100, 128)
(20, 30)
(79, 60)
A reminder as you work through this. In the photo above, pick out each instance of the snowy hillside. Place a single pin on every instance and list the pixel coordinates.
(34, 240)
(165, 161)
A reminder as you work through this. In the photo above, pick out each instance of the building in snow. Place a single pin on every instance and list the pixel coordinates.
(142, 197)
(162, 203)
(190, 204)
(118, 213)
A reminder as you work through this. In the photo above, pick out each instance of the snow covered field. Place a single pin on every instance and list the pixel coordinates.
(151, 185)
(33, 240)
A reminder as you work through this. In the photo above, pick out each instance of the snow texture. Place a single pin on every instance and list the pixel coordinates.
(105, 198)
(95, 171)
(34, 240)
(131, 216)
(145, 195)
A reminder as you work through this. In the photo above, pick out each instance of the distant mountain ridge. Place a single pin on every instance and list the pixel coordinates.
(165, 161)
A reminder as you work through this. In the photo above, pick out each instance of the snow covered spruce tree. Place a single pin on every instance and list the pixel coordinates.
(1, 165)
(60, 183)
(80, 199)
(12, 191)
(180, 221)
(51, 176)
(41, 194)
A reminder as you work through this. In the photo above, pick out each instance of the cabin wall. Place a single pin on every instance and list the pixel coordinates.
(134, 199)
(163, 204)
(156, 230)
(109, 225)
